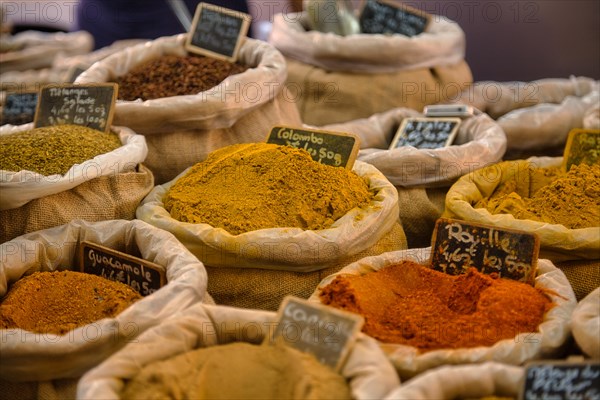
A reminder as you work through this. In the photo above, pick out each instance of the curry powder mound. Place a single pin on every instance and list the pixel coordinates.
(414, 305)
(571, 199)
(53, 149)
(60, 301)
(246, 187)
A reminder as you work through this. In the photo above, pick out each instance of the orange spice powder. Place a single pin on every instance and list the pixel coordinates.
(414, 305)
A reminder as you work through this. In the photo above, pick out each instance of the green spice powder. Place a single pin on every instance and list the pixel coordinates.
(53, 149)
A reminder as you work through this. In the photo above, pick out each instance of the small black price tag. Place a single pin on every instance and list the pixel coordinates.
(325, 332)
(426, 133)
(560, 379)
(85, 105)
(217, 32)
(337, 149)
(386, 17)
(19, 108)
(583, 147)
(459, 245)
(142, 275)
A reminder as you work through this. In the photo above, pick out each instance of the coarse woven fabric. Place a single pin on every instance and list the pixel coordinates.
(265, 289)
(583, 275)
(328, 97)
(107, 197)
(419, 209)
(57, 389)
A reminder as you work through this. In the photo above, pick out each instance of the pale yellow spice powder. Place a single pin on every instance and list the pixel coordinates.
(238, 371)
(246, 187)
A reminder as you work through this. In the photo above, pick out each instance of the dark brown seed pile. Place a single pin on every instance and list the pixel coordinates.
(175, 76)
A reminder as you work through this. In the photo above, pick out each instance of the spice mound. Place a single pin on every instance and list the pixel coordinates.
(571, 199)
(414, 305)
(53, 149)
(238, 371)
(246, 187)
(173, 75)
(60, 301)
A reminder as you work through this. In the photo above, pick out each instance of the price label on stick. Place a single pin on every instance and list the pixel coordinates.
(457, 246)
(217, 32)
(583, 147)
(325, 332)
(89, 105)
(337, 149)
(387, 17)
(142, 275)
(561, 380)
(19, 108)
(426, 133)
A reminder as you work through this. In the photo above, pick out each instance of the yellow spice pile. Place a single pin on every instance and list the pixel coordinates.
(246, 187)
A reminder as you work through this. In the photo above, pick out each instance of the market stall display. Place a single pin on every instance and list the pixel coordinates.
(31, 356)
(335, 78)
(182, 130)
(366, 371)
(547, 341)
(299, 249)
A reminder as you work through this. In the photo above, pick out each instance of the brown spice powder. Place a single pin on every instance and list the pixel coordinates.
(60, 301)
(173, 75)
(246, 187)
(414, 305)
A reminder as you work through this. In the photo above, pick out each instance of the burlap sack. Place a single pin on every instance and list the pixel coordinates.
(499, 98)
(183, 130)
(480, 141)
(288, 249)
(21, 187)
(586, 324)
(336, 78)
(557, 242)
(265, 289)
(487, 380)
(552, 335)
(34, 50)
(28, 356)
(366, 370)
(416, 173)
(105, 198)
(584, 275)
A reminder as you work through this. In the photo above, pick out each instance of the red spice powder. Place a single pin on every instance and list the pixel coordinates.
(414, 305)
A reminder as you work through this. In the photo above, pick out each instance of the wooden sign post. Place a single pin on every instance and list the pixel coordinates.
(19, 108)
(459, 245)
(142, 275)
(337, 149)
(217, 32)
(325, 332)
(426, 133)
(583, 146)
(389, 17)
(85, 105)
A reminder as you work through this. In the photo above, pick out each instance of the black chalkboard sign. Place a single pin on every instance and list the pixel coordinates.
(19, 108)
(332, 148)
(325, 332)
(386, 17)
(546, 380)
(583, 146)
(426, 133)
(459, 245)
(143, 276)
(89, 105)
(217, 32)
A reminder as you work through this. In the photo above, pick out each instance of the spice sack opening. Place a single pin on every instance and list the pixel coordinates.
(29, 356)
